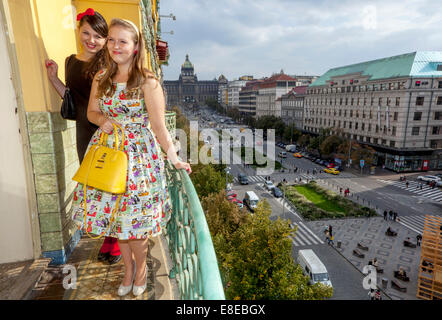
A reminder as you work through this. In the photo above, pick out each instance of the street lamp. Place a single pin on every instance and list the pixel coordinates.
(171, 16)
(227, 173)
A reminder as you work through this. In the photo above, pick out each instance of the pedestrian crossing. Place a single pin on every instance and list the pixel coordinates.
(304, 236)
(415, 223)
(415, 187)
(289, 178)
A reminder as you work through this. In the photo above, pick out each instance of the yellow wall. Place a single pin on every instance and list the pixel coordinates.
(39, 34)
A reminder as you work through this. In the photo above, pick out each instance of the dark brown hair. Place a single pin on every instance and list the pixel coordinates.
(137, 72)
(99, 25)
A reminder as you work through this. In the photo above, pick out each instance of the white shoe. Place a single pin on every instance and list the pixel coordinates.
(123, 290)
(137, 290)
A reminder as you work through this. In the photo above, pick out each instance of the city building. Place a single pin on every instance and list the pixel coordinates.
(304, 80)
(292, 106)
(188, 90)
(223, 82)
(393, 104)
(247, 98)
(269, 91)
(233, 89)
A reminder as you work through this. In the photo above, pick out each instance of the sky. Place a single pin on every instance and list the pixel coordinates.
(300, 37)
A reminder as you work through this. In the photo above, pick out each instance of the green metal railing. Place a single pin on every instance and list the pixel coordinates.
(195, 266)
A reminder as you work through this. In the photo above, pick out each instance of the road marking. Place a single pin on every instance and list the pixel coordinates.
(409, 227)
(320, 241)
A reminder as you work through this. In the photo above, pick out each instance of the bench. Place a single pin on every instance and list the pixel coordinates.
(358, 253)
(396, 285)
(391, 234)
(362, 247)
(398, 276)
(409, 244)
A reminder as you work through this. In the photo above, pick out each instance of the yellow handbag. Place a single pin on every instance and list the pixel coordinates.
(104, 168)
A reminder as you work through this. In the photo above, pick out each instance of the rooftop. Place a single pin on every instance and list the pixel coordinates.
(414, 64)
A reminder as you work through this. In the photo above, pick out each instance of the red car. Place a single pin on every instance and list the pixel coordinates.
(236, 201)
(231, 193)
(331, 165)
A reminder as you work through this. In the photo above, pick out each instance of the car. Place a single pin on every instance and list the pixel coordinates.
(231, 193)
(331, 165)
(242, 178)
(297, 155)
(429, 178)
(318, 161)
(269, 185)
(238, 202)
(439, 183)
(277, 192)
(282, 154)
(331, 170)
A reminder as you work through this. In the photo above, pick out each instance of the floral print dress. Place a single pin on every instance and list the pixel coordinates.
(146, 207)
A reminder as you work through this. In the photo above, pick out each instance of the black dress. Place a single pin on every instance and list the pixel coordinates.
(80, 87)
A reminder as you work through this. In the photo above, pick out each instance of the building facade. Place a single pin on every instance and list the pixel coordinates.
(292, 106)
(247, 98)
(269, 91)
(188, 90)
(392, 104)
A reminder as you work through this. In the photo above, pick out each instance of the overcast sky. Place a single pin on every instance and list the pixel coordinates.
(261, 37)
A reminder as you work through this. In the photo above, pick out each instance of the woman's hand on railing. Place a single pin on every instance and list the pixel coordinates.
(183, 165)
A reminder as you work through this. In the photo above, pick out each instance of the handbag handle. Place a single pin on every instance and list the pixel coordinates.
(118, 145)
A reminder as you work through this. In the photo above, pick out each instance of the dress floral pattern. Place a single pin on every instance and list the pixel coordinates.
(145, 208)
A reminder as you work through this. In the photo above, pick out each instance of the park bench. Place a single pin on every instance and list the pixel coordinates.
(409, 244)
(391, 233)
(400, 277)
(358, 253)
(396, 285)
(362, 247)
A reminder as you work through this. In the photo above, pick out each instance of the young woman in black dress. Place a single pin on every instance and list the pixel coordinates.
(80, 69)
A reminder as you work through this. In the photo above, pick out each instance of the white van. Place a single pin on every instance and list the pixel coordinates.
(251, 200)
(283, 154)
(290, 148)
(313, 267)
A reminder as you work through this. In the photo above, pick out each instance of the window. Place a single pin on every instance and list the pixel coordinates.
(345, 124)
(392, 143)
(340, 112)
(440, 85)
(436, 130)
(375, 140)
(377, 128)
(349, 125)
(398, 101)
(369, 127)
(356, 125)
(384, 141)
(417, 116)
(438, 115)
(362, 126)
(345, 114)
(351, 113)
(439, 100)
(380, 101)
(393, 131)
(415, 131)
(352, 101)
(420, 101)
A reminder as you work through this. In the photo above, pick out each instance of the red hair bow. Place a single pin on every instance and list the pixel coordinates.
(88, 12)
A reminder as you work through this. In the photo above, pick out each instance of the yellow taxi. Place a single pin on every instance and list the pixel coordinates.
(297, 155)
(331, 170)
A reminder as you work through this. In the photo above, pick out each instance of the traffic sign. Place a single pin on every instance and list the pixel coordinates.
(362, 162)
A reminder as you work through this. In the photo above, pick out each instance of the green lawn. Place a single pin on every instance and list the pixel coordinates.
(318, 199)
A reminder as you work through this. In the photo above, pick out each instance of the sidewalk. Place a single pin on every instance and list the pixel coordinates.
(100, 281)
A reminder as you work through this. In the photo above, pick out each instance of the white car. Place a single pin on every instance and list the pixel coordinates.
(269, 185)
(429, 178)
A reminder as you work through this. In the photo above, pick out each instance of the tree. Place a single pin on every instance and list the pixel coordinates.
(303, 140)
(330, 144)
(261, 266)
(207, 180)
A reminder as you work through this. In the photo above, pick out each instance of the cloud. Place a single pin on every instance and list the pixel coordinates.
(258, 37)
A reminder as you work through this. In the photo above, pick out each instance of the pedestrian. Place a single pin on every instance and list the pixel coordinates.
(406, 184)
(327, 236)
(420, 185)
(385, 215)
(418, 240)
(124, 77)
(371, 294)
(394, 216)
(79, 72)
(377, 295)
(340, 190)
(390, 214)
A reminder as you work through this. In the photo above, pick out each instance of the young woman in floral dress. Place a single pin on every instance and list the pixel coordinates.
(127, 94)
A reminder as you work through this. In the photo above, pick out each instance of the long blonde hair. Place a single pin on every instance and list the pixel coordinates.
(137, 72)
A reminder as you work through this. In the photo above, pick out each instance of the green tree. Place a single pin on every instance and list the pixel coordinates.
(330, 144)
(207, 180)
(261, 266)
(303, 140)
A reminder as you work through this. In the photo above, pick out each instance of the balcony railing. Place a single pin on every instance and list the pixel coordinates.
(195, 266)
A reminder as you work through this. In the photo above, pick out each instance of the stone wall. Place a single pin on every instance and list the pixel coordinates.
(55, 161)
